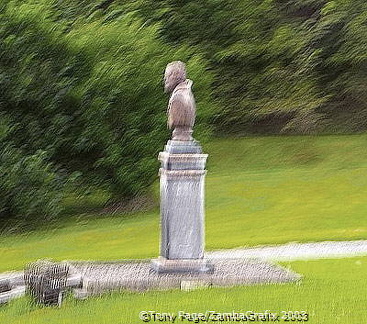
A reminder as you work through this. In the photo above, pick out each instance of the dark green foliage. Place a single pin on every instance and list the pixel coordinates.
(38, 76)
(30, 188)
(280, 65)
(89, 95)
(81, 81)
(123, 103)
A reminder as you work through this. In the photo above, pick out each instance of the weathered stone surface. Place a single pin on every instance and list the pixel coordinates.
(11, 294)
(80, 293)
(188, 285)
(5, 285)
(138, 275)
(163, 265)
(183, 147)
(182, 205)
(182, 162)
(16, 278)
(181, 107)
(182, 176)
(11, 286)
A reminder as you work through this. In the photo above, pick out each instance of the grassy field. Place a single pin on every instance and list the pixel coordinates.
(330, 292)
(263, 190)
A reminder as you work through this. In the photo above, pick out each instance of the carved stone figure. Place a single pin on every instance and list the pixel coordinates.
(181, 107)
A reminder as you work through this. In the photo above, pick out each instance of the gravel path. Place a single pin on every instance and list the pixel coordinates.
(296, 251)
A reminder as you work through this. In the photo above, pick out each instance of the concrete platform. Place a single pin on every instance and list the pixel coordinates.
(138, 275)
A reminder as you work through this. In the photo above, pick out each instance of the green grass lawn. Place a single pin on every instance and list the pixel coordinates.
(331, 291)
(263, 190)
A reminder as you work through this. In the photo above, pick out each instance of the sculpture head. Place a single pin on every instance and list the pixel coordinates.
(174, 74)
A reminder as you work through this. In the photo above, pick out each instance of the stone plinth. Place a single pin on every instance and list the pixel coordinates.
(163, 265)
(182, 175)
(99, 277)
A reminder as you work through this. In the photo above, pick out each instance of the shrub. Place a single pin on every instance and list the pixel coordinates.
(89, 95)
(30, 188)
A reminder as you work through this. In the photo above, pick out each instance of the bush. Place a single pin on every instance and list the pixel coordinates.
(122, 101)
(89, 95)
(30, 188)
(278, 64)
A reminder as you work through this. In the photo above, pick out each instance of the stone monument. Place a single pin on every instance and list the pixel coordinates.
(181, 263)
(182, 175)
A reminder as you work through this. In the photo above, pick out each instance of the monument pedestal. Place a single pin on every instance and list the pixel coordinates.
(182, 175)
(163, 265)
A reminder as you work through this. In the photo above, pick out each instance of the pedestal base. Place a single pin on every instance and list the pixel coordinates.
(163, 265)
(138, 275)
